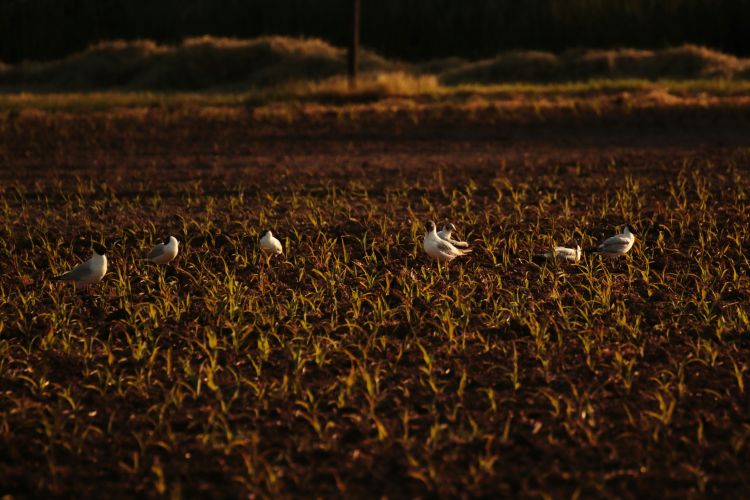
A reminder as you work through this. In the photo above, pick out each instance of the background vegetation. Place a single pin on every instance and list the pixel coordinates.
(404, 29)
(273, 62)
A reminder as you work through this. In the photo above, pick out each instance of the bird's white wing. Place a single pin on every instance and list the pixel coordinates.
(615, 244)
(157, 251)
(447, 248)
(560, 253)
(458, 244)
(78, 273)
(446, 237)
(444, 246)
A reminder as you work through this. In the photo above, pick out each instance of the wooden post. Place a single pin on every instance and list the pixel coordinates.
(353, 53)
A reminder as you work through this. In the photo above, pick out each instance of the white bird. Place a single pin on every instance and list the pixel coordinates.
(270, 245)
(446, 233)
(438, 248)
(564, 253)
(165, 252)
(91, 271)
(617, 245)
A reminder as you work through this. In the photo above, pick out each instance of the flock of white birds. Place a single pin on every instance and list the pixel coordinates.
(438, 245)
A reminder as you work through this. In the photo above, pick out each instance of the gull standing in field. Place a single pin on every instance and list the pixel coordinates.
(165, 252)
(563, 253)
(270, 245)
(617, 245)
(438, 248)
(91, 271)
(446, 233)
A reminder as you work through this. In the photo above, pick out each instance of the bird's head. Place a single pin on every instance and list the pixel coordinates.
(430, 226)
(99, 249)
(449, 227)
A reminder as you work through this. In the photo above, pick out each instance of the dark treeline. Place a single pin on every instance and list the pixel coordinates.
(407, 29)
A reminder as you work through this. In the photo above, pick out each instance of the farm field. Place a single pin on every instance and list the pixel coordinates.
(353, 365)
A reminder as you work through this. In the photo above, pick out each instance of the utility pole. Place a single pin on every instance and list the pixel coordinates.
(353, 53)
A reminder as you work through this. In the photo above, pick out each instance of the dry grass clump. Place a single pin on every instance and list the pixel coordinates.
(372, 85)
(512, 66)
(196, 63)
(105, 65)
(693, 61)
(685, 62)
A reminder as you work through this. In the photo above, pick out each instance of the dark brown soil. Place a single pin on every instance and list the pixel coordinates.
(76, 420)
